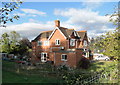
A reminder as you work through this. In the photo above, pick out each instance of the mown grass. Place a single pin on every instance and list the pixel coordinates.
(13, 77)
(96, 66)
(10, 77)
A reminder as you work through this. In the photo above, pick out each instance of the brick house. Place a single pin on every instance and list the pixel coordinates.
(61, 46)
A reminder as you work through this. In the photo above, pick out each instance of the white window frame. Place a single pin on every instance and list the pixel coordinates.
(56, 42)
(62, 57)
(85, 43)
(43, 58)
(72, 42)
(75, 33)
(46, 43)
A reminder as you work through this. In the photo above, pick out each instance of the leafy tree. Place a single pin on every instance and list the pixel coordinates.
(109, 44)
(25, 46)
(9, 42)
(112, 39)
(12, 43)
(7, 8)
(5, 44)
(96, 44)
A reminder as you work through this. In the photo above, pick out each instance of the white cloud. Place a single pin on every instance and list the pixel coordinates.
(85, 19)
(79, 19)
(20, 14)
(33, 11)
(24, 14)
(29, 30)
(91, 4)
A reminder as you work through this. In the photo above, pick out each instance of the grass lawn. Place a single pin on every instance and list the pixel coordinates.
(99, 65)
(10, 77)
(13, 77)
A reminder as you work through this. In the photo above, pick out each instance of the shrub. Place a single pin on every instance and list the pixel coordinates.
(62, 68)
(84, 63)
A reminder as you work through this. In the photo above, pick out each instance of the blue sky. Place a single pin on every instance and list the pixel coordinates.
(39, 16)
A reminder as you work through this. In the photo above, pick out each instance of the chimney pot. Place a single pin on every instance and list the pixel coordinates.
(57, 23)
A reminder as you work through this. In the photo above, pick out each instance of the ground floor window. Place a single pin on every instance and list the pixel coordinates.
(43, 57)
(64, 57)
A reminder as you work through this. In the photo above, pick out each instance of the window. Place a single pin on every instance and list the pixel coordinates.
(43, 57)
(57, 42)
(64, 57)
(72, 42)
(46, 43)
(39, 43)
(85, 43)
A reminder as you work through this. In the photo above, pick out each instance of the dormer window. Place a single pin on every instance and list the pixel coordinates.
(57, 42)
(72, 42)
(75, 33)
(85, 43)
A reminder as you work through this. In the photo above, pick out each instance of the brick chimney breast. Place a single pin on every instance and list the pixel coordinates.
(57, 23)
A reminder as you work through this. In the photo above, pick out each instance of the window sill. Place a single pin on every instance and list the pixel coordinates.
(63, 60)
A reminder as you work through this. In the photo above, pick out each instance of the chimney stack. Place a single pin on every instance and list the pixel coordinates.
(57, 23)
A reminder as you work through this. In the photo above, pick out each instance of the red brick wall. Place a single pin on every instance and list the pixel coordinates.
(79, 54)
(58, 35)
(71, 59)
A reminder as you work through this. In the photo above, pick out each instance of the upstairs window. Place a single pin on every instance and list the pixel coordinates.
(85, 43)
(72, 42)
(39, 43)
(57, 42)
(46, 43)
(64, 57)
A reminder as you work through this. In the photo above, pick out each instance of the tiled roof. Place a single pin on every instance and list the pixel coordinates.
(81, 34)
(44, 34)
(67, 32)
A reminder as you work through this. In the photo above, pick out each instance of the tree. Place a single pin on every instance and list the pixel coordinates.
(5, 44)
(96, 44)
(114, 37)
(7, 8)
(110, 42)
(25, 46)
(9, 42)
(12, 43)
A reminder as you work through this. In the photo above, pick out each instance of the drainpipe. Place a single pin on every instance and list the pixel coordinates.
(76, 43)
(68, 43)
(54, 58)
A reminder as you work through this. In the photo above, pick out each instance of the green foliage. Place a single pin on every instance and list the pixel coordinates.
(7, 8)
(109, 44)
(9, 42)
(25, 47)
(12, 43)
(84, 63)
(107, 70)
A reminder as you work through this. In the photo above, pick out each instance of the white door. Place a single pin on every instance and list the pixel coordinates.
(43, 57)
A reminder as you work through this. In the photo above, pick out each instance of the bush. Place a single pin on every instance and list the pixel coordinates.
(84, 63)
(62, 68)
